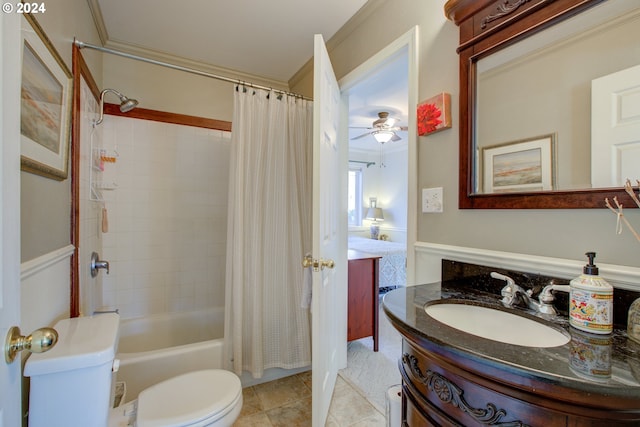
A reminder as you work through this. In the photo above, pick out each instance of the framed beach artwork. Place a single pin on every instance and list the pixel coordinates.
(434, 114)
(45, 109)
(524, 165)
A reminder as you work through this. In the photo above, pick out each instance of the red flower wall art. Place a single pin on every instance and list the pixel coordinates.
(434, 114)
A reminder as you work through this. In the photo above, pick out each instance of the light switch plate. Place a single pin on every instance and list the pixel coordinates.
(432, 200)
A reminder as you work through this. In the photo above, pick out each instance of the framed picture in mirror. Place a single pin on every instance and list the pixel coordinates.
(524, 165)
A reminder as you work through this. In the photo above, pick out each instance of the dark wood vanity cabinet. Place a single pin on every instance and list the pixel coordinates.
(436, 392)
(454, 378)
(443, 390)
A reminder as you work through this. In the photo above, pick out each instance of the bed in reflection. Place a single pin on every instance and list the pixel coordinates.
(393, 264)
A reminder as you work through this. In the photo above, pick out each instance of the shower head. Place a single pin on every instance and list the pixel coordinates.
(126, 104)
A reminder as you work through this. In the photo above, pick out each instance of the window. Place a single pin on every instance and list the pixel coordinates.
(355, 196)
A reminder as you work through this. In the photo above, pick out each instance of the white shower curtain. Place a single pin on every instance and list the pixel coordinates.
(269, 231)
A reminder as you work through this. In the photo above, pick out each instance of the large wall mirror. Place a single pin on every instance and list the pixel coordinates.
(550, 102)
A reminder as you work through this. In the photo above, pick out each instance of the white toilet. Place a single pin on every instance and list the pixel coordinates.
(72, 385)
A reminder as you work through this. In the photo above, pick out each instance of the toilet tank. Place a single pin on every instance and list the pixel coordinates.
(71, 384)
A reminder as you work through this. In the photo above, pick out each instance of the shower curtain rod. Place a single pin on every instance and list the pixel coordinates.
(82, 45)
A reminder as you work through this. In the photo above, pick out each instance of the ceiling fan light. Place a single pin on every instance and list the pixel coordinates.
(383, 136)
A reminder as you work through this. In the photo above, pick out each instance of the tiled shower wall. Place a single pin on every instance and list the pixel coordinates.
(167, 217)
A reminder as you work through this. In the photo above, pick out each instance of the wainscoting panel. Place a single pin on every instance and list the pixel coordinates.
(44, 284)
(429, 256)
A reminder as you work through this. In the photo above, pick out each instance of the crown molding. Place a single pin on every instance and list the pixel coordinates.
(354, 22)
(156, 55)
(197, 65)
(98, 20)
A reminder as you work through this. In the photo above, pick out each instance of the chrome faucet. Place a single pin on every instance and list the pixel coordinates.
(546, 297)
(512, 293)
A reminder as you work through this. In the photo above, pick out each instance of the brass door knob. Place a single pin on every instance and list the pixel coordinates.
(308, 261)
(39, 341)
(327, 263)
(317, 265)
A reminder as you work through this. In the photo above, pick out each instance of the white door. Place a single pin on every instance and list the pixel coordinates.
(615, 128)
(10, 374)
(329, 236)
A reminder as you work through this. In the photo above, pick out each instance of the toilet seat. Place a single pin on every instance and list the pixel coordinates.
(194, 399)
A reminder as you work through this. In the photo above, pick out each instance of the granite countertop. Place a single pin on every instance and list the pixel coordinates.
(589, 363)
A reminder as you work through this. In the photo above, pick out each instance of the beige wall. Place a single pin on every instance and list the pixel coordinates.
(164, 89)
(554, 233)
(176, 91)
(45, 203)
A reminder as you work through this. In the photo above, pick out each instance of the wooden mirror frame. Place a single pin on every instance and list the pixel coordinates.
(485, 27)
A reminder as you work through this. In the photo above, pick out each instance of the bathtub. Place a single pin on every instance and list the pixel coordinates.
(158, 347)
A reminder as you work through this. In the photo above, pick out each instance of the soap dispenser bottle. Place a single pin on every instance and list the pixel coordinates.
(591, 301)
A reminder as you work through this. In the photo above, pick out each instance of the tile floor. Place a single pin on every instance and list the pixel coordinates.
(287, 402)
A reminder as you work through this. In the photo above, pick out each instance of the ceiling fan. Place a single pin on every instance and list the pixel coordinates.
(383, 129)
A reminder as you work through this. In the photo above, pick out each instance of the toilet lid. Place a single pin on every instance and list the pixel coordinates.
(189, 399)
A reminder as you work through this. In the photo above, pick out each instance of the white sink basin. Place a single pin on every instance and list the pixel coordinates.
(496, 325)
